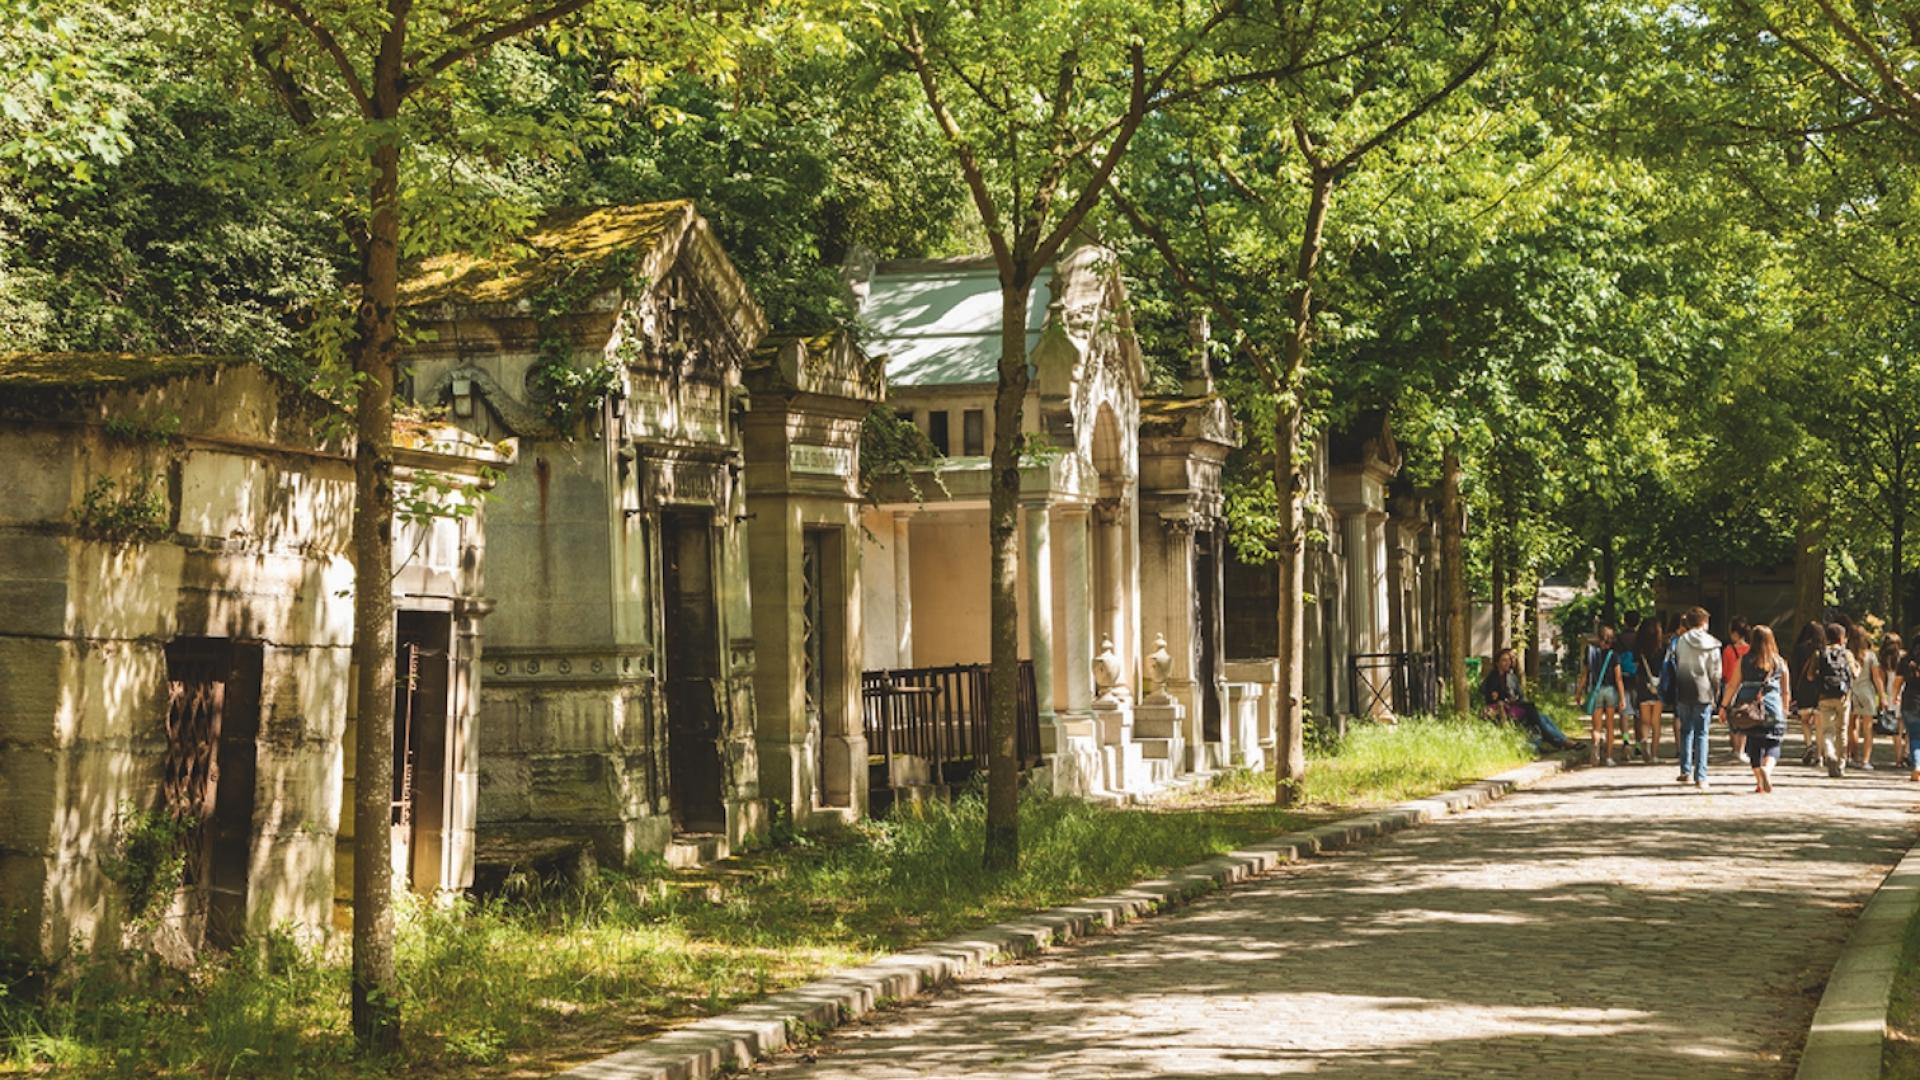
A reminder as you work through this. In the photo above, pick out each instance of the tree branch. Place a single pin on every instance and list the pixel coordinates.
(531, 21)
(916, 51)
(1096, 184)
(1889, 77)
(331, 45)
(1459, 79)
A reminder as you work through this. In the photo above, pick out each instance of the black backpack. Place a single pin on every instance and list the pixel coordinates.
(1832, 672)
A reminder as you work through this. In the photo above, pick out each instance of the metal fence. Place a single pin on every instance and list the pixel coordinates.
(939, 715)
(1400, 683)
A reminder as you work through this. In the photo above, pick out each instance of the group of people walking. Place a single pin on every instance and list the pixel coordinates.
(1838, 681)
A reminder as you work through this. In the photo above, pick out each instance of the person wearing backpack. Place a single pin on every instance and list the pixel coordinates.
(1606, 690)
(1696, 686)
(1763, 682)
(1831, 671)
(1650, 649)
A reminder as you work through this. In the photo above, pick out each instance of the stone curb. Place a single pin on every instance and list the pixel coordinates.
(737, 1039)
(1849, 1027)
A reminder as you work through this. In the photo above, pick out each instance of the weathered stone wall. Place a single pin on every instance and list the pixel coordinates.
(252, 546)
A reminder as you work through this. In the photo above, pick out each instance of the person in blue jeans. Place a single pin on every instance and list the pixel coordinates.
(1762, 674)
(1908, 675)
(1696, 686)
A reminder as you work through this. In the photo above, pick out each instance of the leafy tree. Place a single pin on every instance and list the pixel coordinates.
(1037, 104)
(1247, 205)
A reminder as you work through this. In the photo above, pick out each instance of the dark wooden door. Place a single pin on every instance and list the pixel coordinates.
(213, 719)
(1206, 625)
(420, 750)
(691, 636)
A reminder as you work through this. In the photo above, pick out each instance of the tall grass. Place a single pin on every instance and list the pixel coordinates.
(498, 984)
(1377, 764)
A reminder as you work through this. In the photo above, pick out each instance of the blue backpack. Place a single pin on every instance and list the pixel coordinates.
(1667, 694)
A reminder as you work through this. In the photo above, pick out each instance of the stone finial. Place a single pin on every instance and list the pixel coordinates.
(1159, 669)
(1106, 670)
(1197, 380)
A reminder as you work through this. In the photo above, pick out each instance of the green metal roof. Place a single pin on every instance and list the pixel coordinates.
(938, 323)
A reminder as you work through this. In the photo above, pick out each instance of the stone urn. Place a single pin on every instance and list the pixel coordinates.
(1159, 671)
(1106, 672)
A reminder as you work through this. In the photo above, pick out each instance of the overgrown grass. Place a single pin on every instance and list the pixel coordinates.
(1377, 764)
(554, 972)
(1900, 1056)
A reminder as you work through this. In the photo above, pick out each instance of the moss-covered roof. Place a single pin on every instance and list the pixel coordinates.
(39, 375)
(563, 246)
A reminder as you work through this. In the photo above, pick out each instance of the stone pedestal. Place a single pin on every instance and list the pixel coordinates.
(1121, 761)
(1159, 730)
(1240, 726)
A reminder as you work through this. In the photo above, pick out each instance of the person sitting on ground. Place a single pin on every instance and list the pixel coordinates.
(1696, 686)
(1505, 695)
(1831, 671)
(1739, 633)
(1600, 679)
(1762, 675)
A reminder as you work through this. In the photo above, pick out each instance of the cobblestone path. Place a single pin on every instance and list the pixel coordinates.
(1610, 923)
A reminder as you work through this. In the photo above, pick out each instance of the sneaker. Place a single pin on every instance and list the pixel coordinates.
(1682, 778)
(1864, 764)
(1702, 784)
(1607, 762)
(1811, 757)
(1836, 770)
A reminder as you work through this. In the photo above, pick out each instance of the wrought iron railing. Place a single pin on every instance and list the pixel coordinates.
(938, 715)
(1400, 683)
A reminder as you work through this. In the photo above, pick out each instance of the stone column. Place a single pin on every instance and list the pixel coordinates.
(902, 590)
(1038, 525)
(1358, 551)
(1077, 613)
(1113, 583)
(1377, 580)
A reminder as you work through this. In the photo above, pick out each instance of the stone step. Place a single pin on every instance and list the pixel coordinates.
(1148, 725)
(688, 850)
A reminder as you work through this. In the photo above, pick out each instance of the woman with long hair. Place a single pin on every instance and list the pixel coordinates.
(1734, 651)
(1868, 686)
(1806, 696)
(1893, 654)
(1650, 645)
(1762, 675)
(1606, 689)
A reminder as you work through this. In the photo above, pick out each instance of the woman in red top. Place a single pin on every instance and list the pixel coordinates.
(1738, 631)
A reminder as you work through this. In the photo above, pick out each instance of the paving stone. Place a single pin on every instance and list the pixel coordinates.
(1609, 923)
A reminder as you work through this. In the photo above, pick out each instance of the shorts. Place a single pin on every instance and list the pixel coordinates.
(1762, 747)
(1607, 697)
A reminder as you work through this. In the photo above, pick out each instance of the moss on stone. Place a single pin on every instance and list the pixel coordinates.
(563, 246)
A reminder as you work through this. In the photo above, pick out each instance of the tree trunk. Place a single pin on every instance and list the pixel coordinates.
(1531, 633)
(1500, 589)
(375, 1006)
(1289, 422)
(1453, 597)
(1003, 514)
(1609, 583)
(1896, 611)
(1809, 574)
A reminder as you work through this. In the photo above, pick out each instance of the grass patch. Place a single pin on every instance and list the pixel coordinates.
(1376, 764)
(1900, 1056)
(527, 982)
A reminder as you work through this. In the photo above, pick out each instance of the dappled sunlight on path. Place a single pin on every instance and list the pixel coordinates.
(1610, 923)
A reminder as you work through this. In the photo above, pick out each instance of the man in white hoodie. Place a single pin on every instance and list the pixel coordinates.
(1696, 686)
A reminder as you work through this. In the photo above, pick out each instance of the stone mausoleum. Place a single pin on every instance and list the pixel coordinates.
(1119, 523)
(177, 582)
